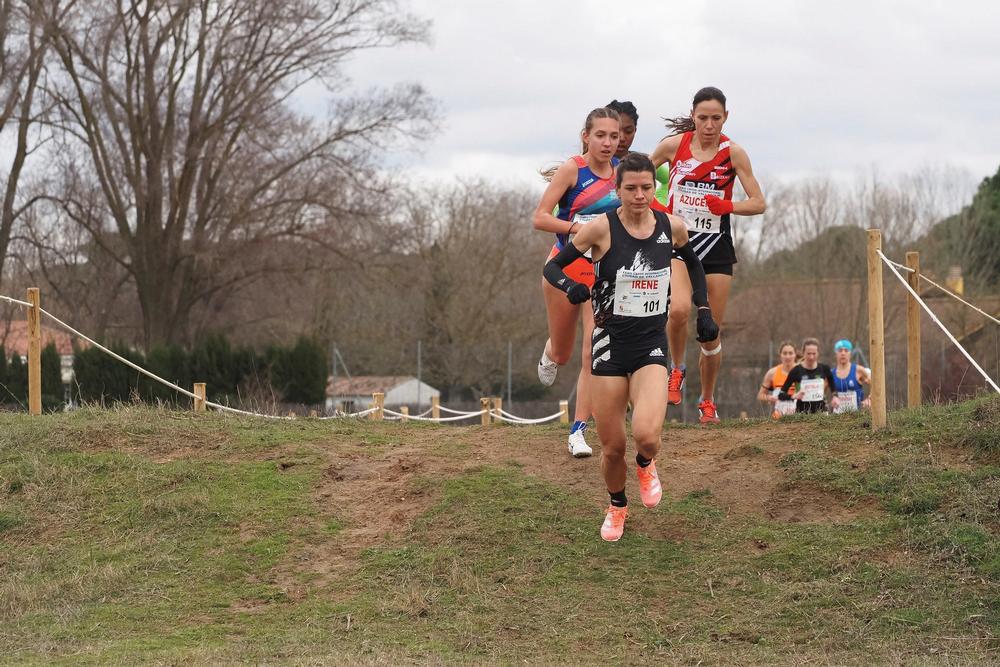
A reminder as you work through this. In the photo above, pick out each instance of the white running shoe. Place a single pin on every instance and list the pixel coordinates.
(547, 370)
(578, 446)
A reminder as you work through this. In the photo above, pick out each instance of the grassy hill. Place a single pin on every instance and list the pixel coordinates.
(139, 535)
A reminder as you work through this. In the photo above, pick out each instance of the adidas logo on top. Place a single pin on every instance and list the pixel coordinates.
(663, 238)
(656, 353)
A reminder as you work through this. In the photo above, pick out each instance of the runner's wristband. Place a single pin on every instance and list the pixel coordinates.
(553, 270)
(696, 272)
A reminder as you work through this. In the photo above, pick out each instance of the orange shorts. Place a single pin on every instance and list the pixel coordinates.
(581, 270)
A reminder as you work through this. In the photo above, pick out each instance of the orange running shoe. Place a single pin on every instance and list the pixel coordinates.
(675, 385)
(614, 523)
(709, 414)
(649, 485)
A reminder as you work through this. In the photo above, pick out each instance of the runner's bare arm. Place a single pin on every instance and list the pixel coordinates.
(562, 180)
(754, 204)
(665, 151)
(766, 387)
(594, 236)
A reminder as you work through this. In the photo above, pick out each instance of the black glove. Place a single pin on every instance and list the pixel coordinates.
(708, 330)
(578, 293)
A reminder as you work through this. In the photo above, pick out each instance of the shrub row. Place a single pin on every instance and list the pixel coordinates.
(295, 374)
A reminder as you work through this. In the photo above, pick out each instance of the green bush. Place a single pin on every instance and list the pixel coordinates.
(17, 381)
(102, 378)
(52, 386)
(299, 373)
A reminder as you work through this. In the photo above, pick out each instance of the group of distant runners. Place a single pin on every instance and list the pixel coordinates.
(801, 384)
(637, 259)
(643, 237)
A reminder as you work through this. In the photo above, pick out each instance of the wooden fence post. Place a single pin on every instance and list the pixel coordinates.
(484, 404)
(564, 408)
(405, 411)
(199, 401)
(378, 402)
(34, 352)
(436, 407)
(876, 330)
(497, 407)
(913, 393)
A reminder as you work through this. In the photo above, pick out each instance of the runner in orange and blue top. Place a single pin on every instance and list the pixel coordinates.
(584, 188)
(704, 167)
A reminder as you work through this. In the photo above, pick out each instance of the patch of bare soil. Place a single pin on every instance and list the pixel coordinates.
(376, 497)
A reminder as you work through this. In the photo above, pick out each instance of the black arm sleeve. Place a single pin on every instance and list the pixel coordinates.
(553, 270)
(829, 380)
(699, 285)
(793, 376)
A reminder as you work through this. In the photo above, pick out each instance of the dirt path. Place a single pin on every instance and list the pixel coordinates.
(377, 498)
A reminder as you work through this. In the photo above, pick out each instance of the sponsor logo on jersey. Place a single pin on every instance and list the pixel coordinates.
(656, 353)
(587, 182)
(663, 238)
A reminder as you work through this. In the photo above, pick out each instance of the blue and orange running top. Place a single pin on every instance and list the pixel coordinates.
(590, 196)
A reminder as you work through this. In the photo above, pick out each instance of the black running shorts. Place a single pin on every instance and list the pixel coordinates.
(618, 360)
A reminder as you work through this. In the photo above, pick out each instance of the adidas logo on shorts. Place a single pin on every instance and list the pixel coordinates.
(656, 353)
(663, 238)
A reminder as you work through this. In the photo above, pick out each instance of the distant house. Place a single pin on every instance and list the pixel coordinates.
(14, 338)
(355, 394)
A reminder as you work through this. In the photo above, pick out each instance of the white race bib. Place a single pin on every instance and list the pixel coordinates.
(813, 389)
(689, 203)
(641, 293)
(783, 407)
(848, 402)
(584, 219)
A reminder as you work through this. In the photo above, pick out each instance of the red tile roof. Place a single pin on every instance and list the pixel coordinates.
(364, 385)
(14, 337)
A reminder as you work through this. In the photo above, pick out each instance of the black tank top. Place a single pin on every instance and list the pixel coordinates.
(631, 281)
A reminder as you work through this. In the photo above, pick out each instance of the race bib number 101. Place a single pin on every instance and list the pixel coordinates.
(641, 293)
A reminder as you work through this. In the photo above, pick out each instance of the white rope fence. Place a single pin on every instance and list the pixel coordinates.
(438, 420)
(503, 415)
(892, 267)
(943, 289)
(387, 414)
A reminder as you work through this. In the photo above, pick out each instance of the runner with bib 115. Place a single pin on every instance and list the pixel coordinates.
(704, 168)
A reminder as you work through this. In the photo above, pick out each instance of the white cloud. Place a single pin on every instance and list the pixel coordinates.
(813, 88)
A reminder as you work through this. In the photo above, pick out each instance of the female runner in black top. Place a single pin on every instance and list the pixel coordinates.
(631, 248)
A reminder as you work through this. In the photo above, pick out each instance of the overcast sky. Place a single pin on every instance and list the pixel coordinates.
(813, 88)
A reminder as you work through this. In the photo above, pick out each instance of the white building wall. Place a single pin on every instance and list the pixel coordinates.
(407, 394)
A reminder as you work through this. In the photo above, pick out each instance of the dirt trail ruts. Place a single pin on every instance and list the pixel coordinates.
(375, 496)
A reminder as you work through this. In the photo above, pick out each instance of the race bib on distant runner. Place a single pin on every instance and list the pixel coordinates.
(689, 203)
(848, 402)
(783, 408)
(813, 389)
(641, 293)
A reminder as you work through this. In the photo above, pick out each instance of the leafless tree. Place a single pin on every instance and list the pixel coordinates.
(22, 58)
(181, 114)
